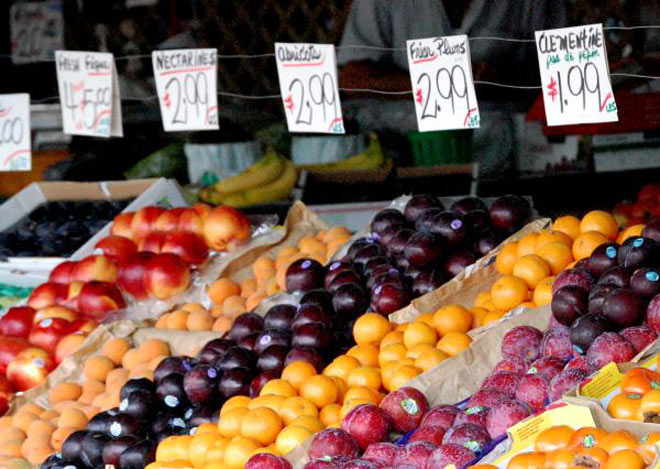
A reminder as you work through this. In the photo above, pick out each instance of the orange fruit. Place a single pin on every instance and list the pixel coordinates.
(297, 373)
(238, 451)
(478, 313)
(40, 427)
(631, 231)
(207, 427)
(568, 225)
(64, 392)
(527, 245)
(296, 406)
(552, 236)
(97, 367)
(329, 415)
(506, 258)
(360, 392)
(483, 297)
(248, 287)
(543, 292)
(416, 350)
(454, 343)
(161, 323)
(261, 424)
(419, 333)
(264, 268)
(392, 352)
(153, 348)
(253, 300)
(364, 376)
(402, 375)
(350, 404)
(291, 437)
(586, 242)
(233, 403)
(557, 255)
(531, 268)
(234, 306)
(130, 359)
(617, 441)
(279, 387)
(426, 318)
(370, 328)
(553, 438)
(222, 289)
(222, 324)
(178, 320)
(229, 423)
(321, 390)
(309, 422)
(492, 316)
(625, 458)
(23, 419)
(508, 292)
(430, 358)
(271, 401)
(601, 221)
(199, 321)
(342, 387)
(528, 461)
(199, 446)
(72, 418)
(115, 349)
(60, 435)
(452, 318)
(393, 337)
(341, 366)
(366, 354)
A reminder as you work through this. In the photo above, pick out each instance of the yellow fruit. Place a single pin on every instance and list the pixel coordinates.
(291, 437)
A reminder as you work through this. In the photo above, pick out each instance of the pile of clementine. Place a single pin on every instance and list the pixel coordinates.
(35, 432)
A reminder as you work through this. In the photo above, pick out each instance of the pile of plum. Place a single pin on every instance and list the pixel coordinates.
(58, 228)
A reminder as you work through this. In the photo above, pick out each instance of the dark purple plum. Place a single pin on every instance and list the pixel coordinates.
(576, 276)
(314, 335)
(319, 298)
(304, 275)
(604, 257)
(510, 213)
(137, 384)
(388, 298)
(646, 282)
(385, 218)
(335, 269)
(425, 220)
(374, 263)
(248, 342)
(91, 449)
(244, 325)
(423, 249)
(100, 422)
(54, 461)
(384, 275)
(597, 297)
(140, 404)
(72, 446)
(213, 350)
(124, 424)
(427, 281)
(637, 252)
(412, 272)
(451, 227)
(468, 204)
(167, 424)
(458, 261)
(624, 308)
(344, 278)
(235, 357)
(272, 359)
(305, 354)
(367, 253)
(235, 382)
(350, 300)
(260, 380)
(420, 203)
(388, 233)
(477, 221)
(309, 314)
(652, 230)
(279, 317)
(569, 303)
(585, 330)
(357, 245)
(170, 391)
(199, 415)
(200, 384)
(398, 242)
(271, 337)
(139, 455)
(619, 276)
(486, 242)
(173, 365)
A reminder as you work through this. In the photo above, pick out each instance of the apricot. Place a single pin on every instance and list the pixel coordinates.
(12, 434)
(131, 359)
(253, 300)
(233, 306)
(115, 348)
(60, 435)
(92, 385)
(264, 268)
(90, 411)
(74, 418)
(199, 321)
(216, 311)
(248, 287)
(153, 348)
(193, 307)
(32, 407)
(50, 414)
(272, 286)
(62, 405)
(154, 362)
(116, 377)
(222, 324)
(11, 449)
(162, 321)
(23, 419)
(97, 367)
(100, 400)
(5, 422)
(40, 427)
(38, 455)
(141, 373)
(222, 289)
(35, 442)
(178, 320)
(64, 392)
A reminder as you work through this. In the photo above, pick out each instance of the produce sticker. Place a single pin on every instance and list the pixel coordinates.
(575, 76)
(15, 140)
(442, 83)
(309, 87)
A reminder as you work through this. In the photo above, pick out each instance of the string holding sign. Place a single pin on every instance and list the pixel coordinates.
(186, 83)
(15, 137)
(309, 87)
(575, 76)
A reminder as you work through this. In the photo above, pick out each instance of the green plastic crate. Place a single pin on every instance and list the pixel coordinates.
(441, 147)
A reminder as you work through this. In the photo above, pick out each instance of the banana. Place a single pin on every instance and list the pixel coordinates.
(276, 190)
(264, 171)
(237, 200)
(371, 158)
(211, 196)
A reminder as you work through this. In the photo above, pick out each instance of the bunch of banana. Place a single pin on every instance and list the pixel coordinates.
(371, 158)
(268, 180)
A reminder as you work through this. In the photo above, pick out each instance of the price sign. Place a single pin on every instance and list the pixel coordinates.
(575, 75)
(443, 88)
(89, 93)
(186, 80)
(15, 141)
(308, 83)
(37, 30)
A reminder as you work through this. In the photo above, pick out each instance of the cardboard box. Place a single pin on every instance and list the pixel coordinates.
(31, 271)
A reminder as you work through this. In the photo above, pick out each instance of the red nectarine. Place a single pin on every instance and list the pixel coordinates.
(122, 225)
(17, 322)
(224, 227)
(62, 273)
(131, 274)
(168, 220)
(143, 222)
(30, 368)
(99, 268)
(153, 242)
(99, 298)
(55, 311)
(189, 246)
(192, 220)
(47, 294)
(166, 275)
(116, 248)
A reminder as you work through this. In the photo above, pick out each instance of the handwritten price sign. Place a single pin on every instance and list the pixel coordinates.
(575, 76)
(37, 30)
(15, 141)
(308, 83)
(89, 93)
(443, 88)
(186, 80)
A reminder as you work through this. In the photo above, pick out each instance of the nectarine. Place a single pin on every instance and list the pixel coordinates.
(224, 227)
(166, 275)
(143, 221)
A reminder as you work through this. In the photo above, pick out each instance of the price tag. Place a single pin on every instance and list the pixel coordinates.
(575, 76)
(37, 30)
(186, 80)
(443, 88)
(15, 140)
(89, 93)
(308, 83)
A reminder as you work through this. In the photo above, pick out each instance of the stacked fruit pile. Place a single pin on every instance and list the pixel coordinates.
(639, 398)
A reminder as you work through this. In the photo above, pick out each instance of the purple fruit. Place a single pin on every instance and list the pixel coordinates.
(201, 415)
(604, 257)
(260, 380)
(652, 230)
(375, 263)
(398, 242)
(423, 249)
(350, 300)
(113, 449)
(171, 393)
(451, 227)
(200, 384)
(344, 278)
(279, 317)
(388, 233)
(639, 252)
(235, 382)
(244, 325)
(309, 314)
(357, 245)
(569, 303)
(173, 365)
(646, 282)
(335, 269)
(140, 404)
(418, 204)
(72, 446)
(510, 213)
(305, 354)
(585, 330)
(578, 277)
(272, 358)
(427, 281)
(313, 335)
(458, 261)
(137, 384)
(213, 350)
(486, 242)
(477, 221)
(368, 252)
(123, 424)
(619, 276)
(385, 218)
(624, 308)
(139, 455)
(91, 447)
(597, 297)
(271, 337)
(388, 298)
(392, 275)
(248, 342)
(319, 298)
(304, 275)
(235, 357)
(468, 204)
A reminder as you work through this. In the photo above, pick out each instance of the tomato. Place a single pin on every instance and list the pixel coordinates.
(9, 348)
(17, 322)
(47, 333)
(625, 406)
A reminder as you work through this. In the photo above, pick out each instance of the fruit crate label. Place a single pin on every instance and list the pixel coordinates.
(575, 76)
(442, 83)
(15, 138)
(37, 30)
(187, 86)
(89, 93)
(603, 385)
(309, 87)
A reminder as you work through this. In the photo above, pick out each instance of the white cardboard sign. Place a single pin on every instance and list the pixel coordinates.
(37, 30)
(186, 81)
(309, 87)
(575, 76)
(89, 93)
(442, 83)
(15, 138)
